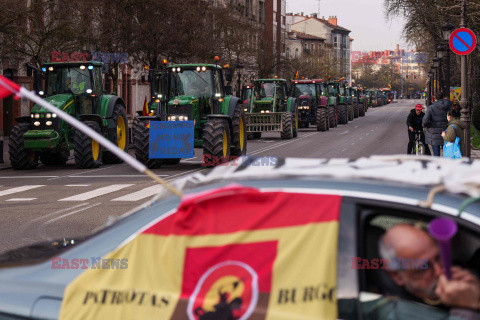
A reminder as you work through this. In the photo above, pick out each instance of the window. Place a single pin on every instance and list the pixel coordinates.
(312, 46)
(261, 12)
(296, 53)
(335, 42)
(288, 53)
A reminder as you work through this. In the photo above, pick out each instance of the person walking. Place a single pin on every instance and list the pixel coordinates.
(414, 123)
(455, 128)
(435, 121)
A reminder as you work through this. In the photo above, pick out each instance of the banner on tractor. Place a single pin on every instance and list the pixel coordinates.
(230, 253)
(171, 139)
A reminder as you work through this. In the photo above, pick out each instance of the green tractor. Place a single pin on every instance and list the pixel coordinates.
(77, 89)
(338, 89)
(272, 110)
(195, 92)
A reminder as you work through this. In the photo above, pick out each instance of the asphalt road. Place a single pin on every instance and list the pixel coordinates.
(55, 202)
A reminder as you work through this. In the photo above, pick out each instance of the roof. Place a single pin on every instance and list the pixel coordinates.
(306, 36)
(325, 22)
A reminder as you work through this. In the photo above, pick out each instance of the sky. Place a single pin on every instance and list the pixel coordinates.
(366, 19)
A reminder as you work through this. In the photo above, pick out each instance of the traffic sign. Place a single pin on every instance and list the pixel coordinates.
(463, 41)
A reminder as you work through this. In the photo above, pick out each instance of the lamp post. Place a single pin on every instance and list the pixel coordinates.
(447, 30)
(464, 96)
(441, 54)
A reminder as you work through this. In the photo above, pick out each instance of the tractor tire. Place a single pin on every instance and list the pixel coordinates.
(121, 135)
(331, 117)
(239, 134)
(356, 110)
(216, 142)
(21, 158)
(87, 152)
(295, 123)
(351, 112)
(361, 112)
(141, 145)
(287, 124)
(342, 114)
(54, 158)
(321, 119)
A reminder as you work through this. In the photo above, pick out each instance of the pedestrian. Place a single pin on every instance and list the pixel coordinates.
(414, 123)
(455, 128)
(435, 121)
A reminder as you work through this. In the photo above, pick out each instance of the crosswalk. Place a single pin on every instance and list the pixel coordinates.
(81, 192)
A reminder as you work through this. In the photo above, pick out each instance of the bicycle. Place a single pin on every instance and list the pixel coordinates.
(420, 147)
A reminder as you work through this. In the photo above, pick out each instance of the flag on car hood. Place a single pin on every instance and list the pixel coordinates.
(230, 253)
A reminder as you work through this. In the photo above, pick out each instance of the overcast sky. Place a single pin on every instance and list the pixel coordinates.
(371, 31)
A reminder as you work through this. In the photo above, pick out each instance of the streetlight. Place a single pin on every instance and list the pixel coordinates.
(447, 30)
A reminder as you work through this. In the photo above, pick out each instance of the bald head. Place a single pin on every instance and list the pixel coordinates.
(406, 241)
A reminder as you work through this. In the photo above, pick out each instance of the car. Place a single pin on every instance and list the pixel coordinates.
(264, 237)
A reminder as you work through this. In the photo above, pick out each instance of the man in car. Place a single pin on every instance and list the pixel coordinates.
(428, 284)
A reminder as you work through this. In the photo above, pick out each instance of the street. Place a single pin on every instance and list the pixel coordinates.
(56, 202)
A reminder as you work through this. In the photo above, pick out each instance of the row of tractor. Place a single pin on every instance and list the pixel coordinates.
(378, 97)
(184, 92)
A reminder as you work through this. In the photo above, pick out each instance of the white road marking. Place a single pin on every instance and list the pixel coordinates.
(77, 185)
(367, 133)
(92, 170)
(280, 144)
(58, 211)
(344, 132)
(353, 143)
(356, 126)
(28, 177)
(21, 199)
(70, 213)
(119, 176)
(360, 139)
(142, 194)
(19, 189)
(344, 150)
(97, 192)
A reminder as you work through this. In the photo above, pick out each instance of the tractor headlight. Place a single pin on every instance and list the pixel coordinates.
(262, 111)
(41, 93)
(179, 70)
(245, 109)
(31, 115)
(199, 69)
(48, 115)
(37, 116)
(268, 111)
(204, 68)
(54, 115)
(36, 123)
(48, 123)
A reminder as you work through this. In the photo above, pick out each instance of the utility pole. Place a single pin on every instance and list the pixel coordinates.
(464, 98)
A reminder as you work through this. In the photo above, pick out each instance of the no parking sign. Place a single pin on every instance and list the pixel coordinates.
(463, 41)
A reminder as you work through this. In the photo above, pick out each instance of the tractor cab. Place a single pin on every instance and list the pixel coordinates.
(72, 87)
(270, 94)
(246, 95)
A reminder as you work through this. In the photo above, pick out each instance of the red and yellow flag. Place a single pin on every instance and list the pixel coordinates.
(145, 108)
(231, 253)
(296, 75)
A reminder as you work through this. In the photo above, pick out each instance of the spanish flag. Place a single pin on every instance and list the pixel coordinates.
(145, 108)
(271, 255)
(296, 75)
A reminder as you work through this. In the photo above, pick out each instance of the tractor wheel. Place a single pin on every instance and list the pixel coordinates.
(87, 152)
(21, 158)
(342, 114)
(239, 135)
(141, 145)
(295, 123)
(361, 110)
(351, 112)
(121, 134)
(321, 119)
(54, 158)
(356, 110)
(331, 116)
(171, 161)
(216, 142)
(287, 125)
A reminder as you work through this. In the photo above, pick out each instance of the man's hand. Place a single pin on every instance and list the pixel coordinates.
(462, 291)
(410, 128)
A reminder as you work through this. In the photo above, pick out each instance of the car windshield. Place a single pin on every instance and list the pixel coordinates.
(304, 89)
(67, 79)
(191, 83)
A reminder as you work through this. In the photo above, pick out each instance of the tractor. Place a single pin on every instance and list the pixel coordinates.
(77, 89)
(337, 89)
(272, 110)
(195, 92)
(246, 94)
(312, 104)
(359, 102)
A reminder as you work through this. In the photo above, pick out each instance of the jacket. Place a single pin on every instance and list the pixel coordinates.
(435, 120)
(451, 133)
(414, 120)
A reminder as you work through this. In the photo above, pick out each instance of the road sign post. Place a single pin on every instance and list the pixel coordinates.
(463, 42)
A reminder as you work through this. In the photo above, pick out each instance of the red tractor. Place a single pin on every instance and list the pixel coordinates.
(312, 104)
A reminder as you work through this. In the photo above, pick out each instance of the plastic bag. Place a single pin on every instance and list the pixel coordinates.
(451, 150)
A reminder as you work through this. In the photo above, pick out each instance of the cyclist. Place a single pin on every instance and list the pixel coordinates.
(414, 123)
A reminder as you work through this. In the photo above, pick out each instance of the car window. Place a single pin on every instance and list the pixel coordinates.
(380, 293)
